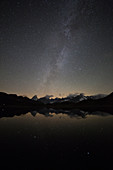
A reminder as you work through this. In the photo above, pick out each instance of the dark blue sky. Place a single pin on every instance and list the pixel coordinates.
(56, 47)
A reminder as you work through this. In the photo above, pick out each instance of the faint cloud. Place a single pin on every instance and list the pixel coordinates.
(48, 96)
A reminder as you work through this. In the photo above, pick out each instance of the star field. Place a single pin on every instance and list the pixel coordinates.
(56, 47)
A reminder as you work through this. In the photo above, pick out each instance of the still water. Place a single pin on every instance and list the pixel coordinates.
(57, 140)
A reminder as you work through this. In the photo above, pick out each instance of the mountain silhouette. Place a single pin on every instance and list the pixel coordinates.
(103, 102)
(74, 98)
(35, 98)
(7, 100)
(12, 100)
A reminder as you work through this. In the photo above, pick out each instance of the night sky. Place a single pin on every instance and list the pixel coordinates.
(56, 47)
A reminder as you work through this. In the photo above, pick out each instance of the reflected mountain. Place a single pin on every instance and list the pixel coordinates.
(50, 112)
(34, 113)
(71, 113)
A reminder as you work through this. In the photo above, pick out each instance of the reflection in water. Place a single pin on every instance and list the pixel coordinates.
(53, 139)
(48, 112)
(71, 114)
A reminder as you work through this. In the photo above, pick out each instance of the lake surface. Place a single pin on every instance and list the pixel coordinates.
(57, 140)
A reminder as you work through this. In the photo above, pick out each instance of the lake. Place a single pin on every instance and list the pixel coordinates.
(56, 140)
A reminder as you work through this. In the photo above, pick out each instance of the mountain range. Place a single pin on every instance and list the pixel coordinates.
(9, 100)
(101, 104)
(71, 102)
(71, 98)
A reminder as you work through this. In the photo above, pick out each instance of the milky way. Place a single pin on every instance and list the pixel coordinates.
(56, 47)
